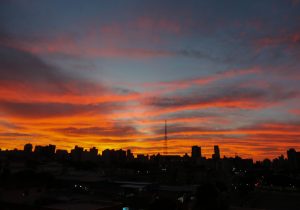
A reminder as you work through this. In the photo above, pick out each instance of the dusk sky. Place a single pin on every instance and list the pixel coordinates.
(109, 73)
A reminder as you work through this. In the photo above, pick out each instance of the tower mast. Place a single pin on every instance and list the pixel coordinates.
(166, 139)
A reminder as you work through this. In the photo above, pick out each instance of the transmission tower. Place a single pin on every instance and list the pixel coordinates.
(166, 139)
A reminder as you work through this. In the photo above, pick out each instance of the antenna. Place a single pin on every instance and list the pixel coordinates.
(166, 139)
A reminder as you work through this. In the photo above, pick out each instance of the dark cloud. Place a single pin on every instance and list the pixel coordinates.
(276, 125)
(48, 110)
(229, 96)
(9, 125)
(21, 66)
(20, 70)
(115, 130)
(24, 75)
(14, 135)
(279, 128)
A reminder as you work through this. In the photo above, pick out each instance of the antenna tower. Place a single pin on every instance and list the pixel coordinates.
(166, 139)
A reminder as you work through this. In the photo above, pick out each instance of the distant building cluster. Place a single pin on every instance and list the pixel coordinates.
(108, 155)
(78, 154)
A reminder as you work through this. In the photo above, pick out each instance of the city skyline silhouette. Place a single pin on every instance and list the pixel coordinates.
(149, 105)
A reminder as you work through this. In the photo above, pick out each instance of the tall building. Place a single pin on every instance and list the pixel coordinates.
(196, 151)
(292, 158)
(166, 139)
(61, 154)
(51, 149)
(28, 148)
(120, 155)
(129, 155)
(94, 151)
(76, 153)
(92, 154)
(216, 154)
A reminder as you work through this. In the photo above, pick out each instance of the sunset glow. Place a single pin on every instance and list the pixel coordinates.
(108, 74)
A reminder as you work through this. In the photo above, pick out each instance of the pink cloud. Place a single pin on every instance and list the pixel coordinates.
(110, 40)
(288, 39)
(295, 111)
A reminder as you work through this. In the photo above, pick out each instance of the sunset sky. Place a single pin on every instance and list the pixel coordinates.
(109, 73)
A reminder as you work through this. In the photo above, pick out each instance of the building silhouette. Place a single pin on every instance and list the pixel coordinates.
(293, 158)
(216, 154)
(76, 153)
(28, 148)
(196, 152)
(45, 151)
